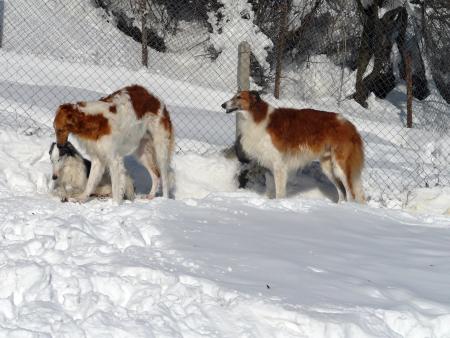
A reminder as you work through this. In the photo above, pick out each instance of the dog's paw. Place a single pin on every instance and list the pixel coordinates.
(149, 196)
(78, 199)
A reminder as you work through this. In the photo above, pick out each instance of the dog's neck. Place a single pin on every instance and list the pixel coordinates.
(259, 110)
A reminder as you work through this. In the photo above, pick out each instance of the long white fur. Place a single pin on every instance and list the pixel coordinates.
(71, 178)
(145, 138)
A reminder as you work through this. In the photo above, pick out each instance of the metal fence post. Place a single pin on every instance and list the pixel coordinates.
(2, 12)
(243, 83)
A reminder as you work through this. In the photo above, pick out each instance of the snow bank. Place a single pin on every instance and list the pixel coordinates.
(430, 200)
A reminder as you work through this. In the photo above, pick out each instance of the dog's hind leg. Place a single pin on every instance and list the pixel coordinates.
(146, 156)
(117, 172)
(327, 168)
(342, 171)
(163, 156)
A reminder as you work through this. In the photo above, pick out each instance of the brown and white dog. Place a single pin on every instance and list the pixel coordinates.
(286, 139)
(129, 121)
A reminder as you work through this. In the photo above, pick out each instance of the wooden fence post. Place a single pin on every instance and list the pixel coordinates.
(243, 83)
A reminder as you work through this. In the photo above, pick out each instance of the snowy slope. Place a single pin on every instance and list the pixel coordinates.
(226, 265)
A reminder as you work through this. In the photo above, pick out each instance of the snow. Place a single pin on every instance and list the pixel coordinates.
(429, 200)
(231, 24)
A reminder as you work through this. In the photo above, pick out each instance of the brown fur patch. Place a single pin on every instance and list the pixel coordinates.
(69, 119)
(292, 128)
(81, 104)
(143, 102)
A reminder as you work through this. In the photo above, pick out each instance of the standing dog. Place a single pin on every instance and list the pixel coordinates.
(71, 172)
(129, 121)
(286, 139)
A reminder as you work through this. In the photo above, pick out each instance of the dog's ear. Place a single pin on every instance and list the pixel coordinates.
(70, 146)
(64, 150)
(68, 150)
(51, 148)
(256, 95)
(71, 150)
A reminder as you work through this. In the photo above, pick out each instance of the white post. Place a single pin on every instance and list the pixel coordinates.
(243, 83)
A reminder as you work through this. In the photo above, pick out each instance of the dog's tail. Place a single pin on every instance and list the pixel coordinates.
(164, 145)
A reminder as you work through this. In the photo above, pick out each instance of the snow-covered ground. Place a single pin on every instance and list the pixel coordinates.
(214, 262)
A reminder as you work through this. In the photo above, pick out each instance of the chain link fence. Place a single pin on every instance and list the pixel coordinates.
(383, 64)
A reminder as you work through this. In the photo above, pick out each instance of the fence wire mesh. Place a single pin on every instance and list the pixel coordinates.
(362, 58)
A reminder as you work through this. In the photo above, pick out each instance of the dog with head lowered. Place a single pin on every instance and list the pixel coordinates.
(130, 121)
(70, 172)
(286, 139)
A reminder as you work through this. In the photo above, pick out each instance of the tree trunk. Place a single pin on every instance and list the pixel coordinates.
(409, 89)
(144, 33)
(408, 45)
(285, 6)
(377, 40)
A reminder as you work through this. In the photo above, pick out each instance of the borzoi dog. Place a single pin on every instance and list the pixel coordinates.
(286, 139)
(71, 171)
(128, 121)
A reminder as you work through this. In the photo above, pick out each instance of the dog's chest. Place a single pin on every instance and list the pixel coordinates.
(73, 174)
(257, 143)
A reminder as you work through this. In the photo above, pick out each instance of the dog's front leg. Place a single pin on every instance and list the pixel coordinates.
(280, 175)
(270, 184)
(61, 193)
(97, 170)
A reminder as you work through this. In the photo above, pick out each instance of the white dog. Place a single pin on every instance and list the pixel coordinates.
(129, 121)
(71, 171)
(286, 139)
